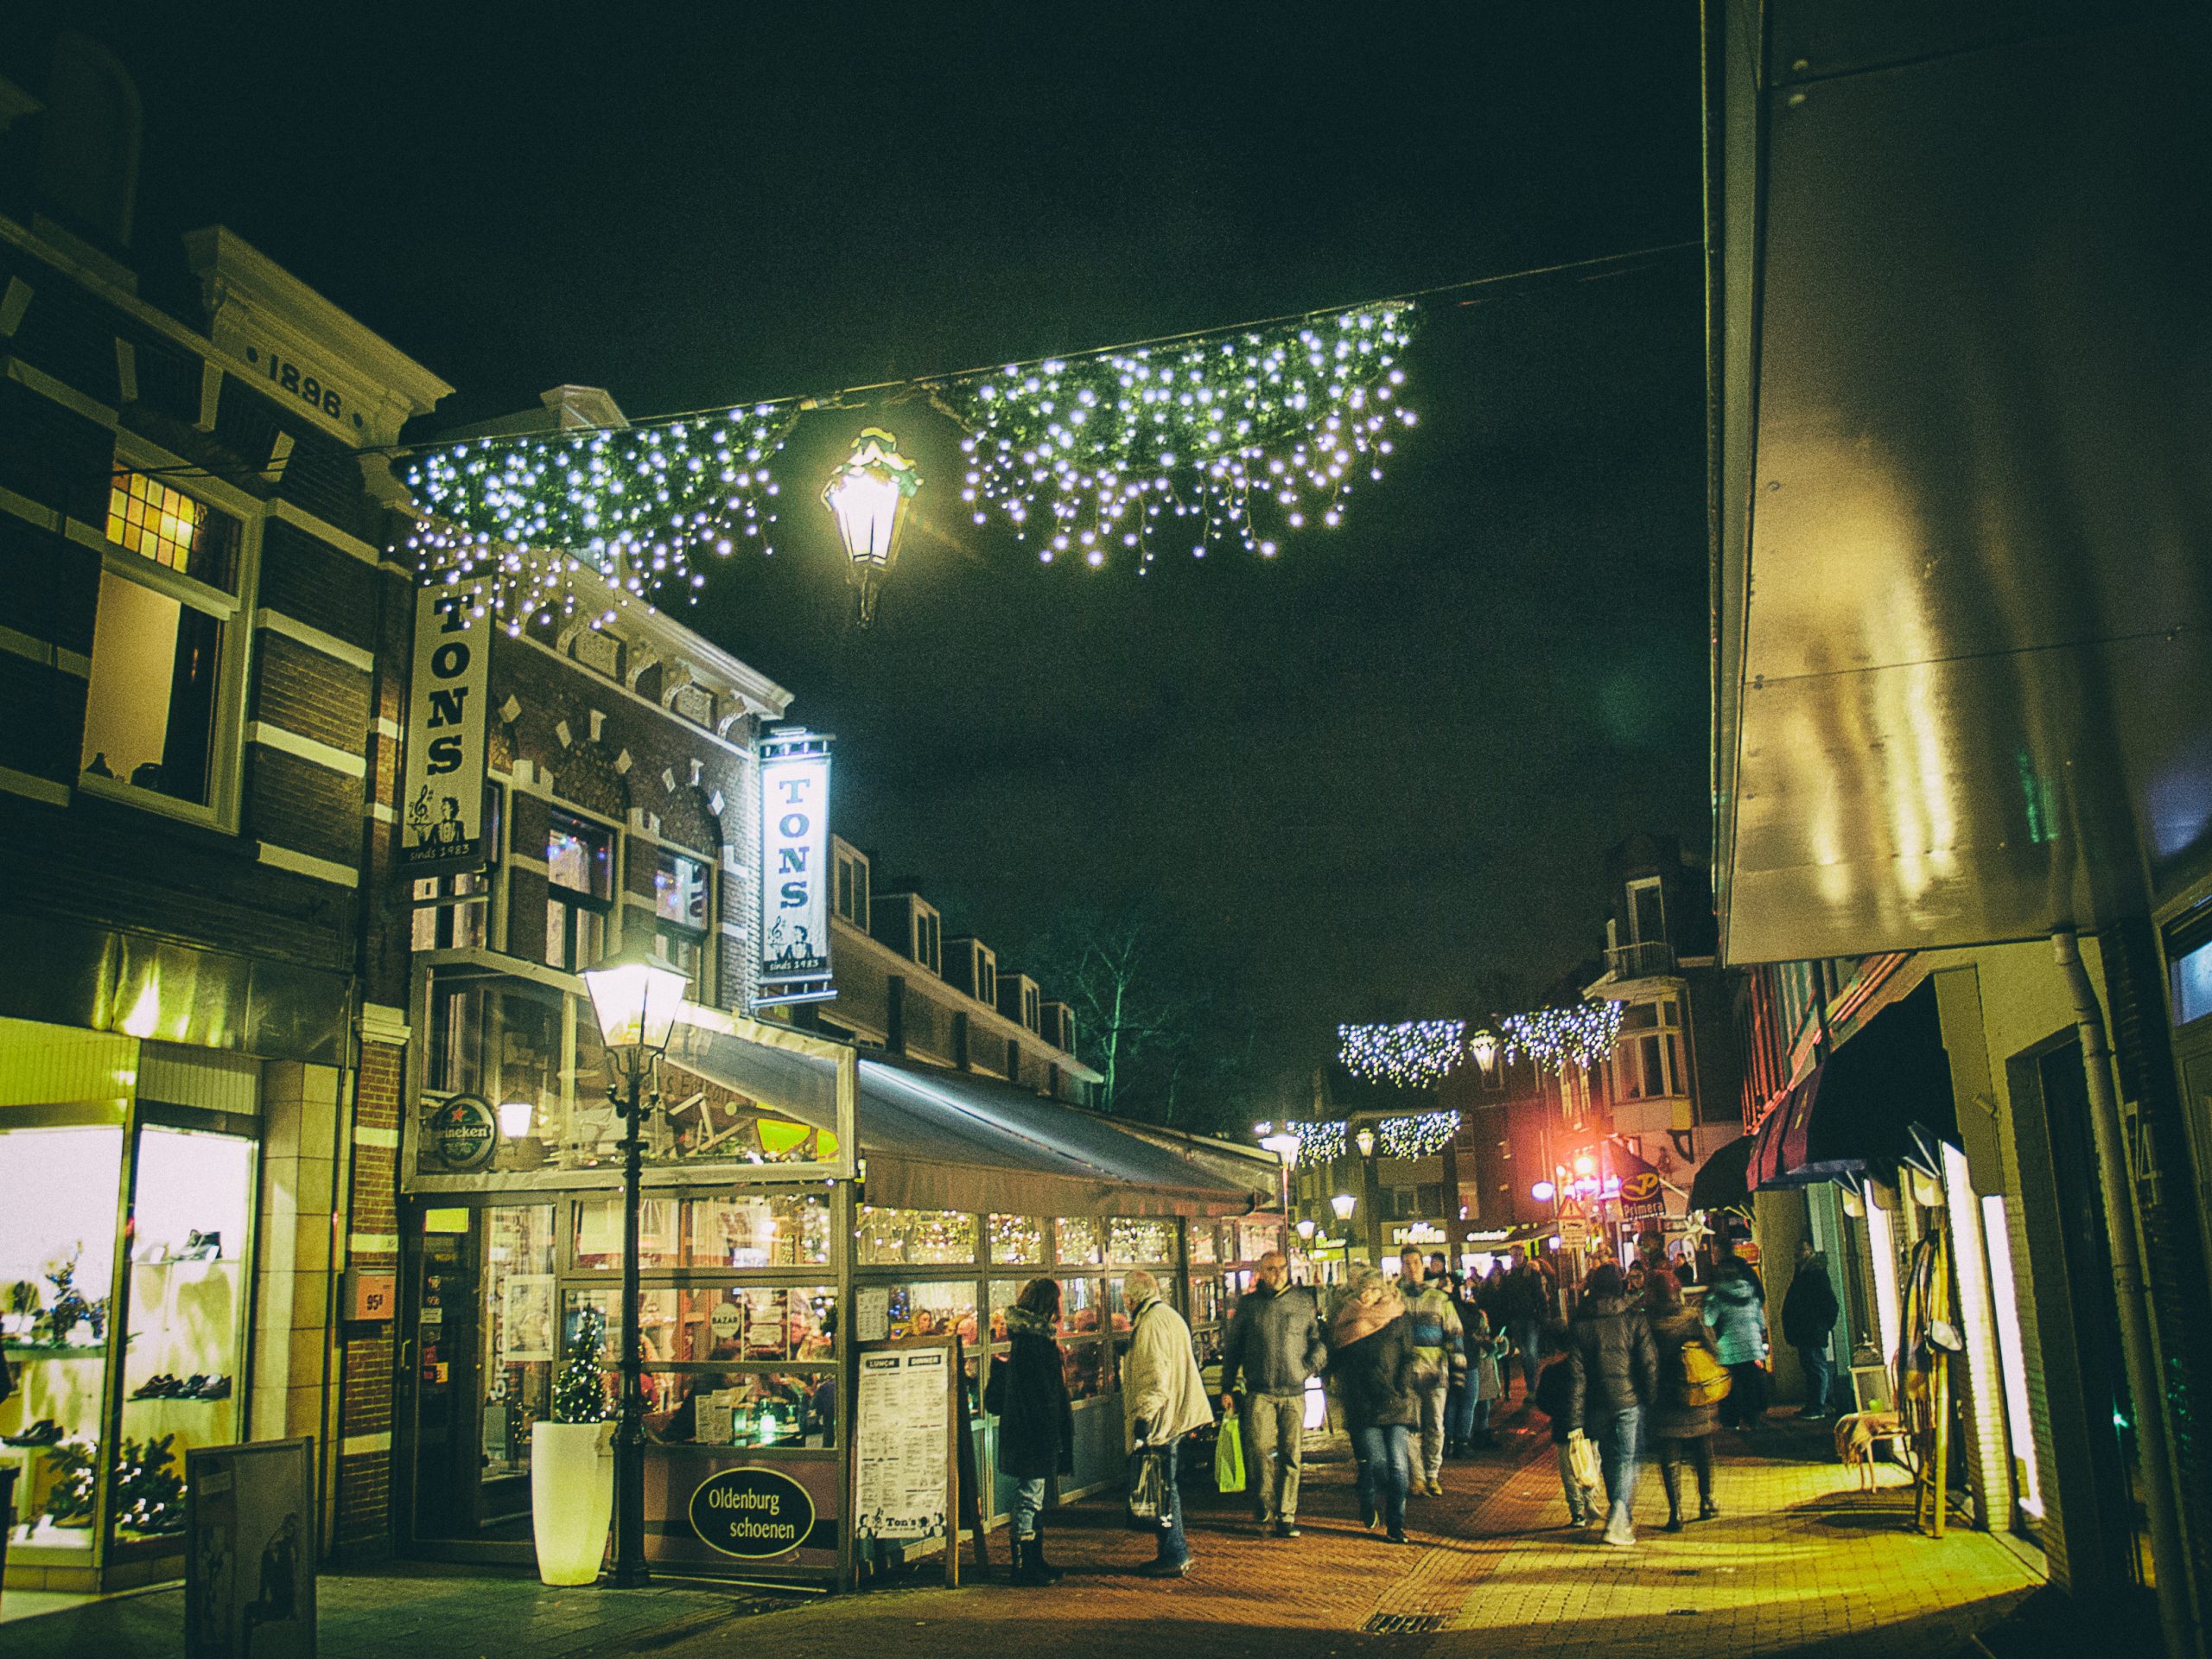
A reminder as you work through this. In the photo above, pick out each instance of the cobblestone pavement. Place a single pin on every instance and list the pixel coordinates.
(1799, 1562)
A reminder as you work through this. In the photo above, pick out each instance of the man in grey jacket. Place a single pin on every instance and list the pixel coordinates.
(1274, 1342)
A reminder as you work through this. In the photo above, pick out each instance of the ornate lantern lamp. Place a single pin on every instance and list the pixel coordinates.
(634, 998)
(869, 495)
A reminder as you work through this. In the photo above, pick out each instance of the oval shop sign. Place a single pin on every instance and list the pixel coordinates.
(463, 1132)
(752, 1513)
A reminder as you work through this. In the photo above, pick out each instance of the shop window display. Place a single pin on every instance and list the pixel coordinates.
(1202, 1243)
(916, 1238)
(1134, 1242)
(1083, 1302)
(935, 1308)
(1017, 1241)
(519, 1332)
(187, 1309)
(1077, 1241)
(57, 1262)
(790, 1408)
(757, 1232)
(598, 1225)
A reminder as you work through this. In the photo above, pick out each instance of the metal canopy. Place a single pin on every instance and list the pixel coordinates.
(1964, 465)
(951, 1141)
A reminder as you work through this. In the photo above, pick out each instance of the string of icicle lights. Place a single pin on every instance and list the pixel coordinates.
(1411, 1054)
(1096, 457)
(1552, 1038)
(1232, 439)
(1416, 1137)
(518, 516)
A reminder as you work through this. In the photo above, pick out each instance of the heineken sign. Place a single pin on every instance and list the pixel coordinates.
(752, 1513)
(463, 1132)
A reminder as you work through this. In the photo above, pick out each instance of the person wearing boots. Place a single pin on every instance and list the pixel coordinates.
(1163, 1398)
(1682, 1423)
(1274, 1344)
(1028, 1393)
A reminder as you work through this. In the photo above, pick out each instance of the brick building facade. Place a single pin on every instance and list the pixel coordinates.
(195, 775)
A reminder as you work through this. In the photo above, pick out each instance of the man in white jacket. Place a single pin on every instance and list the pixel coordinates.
(1163, 1398)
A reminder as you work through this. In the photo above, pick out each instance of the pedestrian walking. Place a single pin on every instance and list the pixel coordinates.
(1163, 1398)
(1273, 1343)
(1437, 1356)
(1809, 1314)
(1554, 1397)
(1028, 1393)
(1371, 1366)
(1527, 1300)
(1735, 1309)
(1691, 1382)
(1615, 1372)
(1478, 1389)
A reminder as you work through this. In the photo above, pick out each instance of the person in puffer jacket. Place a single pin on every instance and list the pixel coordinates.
(1438, 1355)
(1614, 1366)
(1735, 1309)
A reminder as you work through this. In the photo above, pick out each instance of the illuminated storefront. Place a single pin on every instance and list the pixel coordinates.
(765, 1252)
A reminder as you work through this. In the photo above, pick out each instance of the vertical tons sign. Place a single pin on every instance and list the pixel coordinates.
(794, 871)
(441, 812)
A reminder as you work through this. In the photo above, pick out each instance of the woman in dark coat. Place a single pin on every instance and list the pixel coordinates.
(1028, 1393)
(1371, 1363)
(1681, 1428)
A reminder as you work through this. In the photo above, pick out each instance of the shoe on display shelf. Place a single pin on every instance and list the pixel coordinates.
(201, 1247)
(45, 1431)
(163, 1387)
(214, 1388)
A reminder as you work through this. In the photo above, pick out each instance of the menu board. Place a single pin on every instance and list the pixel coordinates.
(902, 1448)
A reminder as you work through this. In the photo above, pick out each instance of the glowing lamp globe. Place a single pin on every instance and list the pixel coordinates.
(1584, 1164)
(635, 998)
(1305, 1228)
(514, 1117)
(1283, 1143)
(1484, 1045)
(1365, 1141)
(1543, 1191)
(867, 495)
(1343, 1203)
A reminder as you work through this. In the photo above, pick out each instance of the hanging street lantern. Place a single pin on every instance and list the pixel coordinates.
(1484, 1045)
(867, 494)
(1343, 1204)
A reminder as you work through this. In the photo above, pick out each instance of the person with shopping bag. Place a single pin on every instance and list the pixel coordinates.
(1274, 1344)
(1578, 1459)
(1163, 1398)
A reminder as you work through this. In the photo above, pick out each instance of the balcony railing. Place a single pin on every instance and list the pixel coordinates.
(1645, 960)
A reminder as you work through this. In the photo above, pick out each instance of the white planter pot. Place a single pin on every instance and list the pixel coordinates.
(571, 1498)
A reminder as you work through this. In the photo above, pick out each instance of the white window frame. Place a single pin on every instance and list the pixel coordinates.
(227, 744)
(1654, 886)
(704, 988)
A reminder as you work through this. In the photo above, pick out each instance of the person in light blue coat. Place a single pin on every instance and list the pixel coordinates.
(1735, 1311)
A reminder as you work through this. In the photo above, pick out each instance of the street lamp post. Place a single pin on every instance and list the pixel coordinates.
(1365, 1139)
(1284, 1143)
(634, 999)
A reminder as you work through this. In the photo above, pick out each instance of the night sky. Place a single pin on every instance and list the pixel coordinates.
(1363, 775)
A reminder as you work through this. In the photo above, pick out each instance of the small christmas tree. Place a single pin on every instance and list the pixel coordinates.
(579, 1395)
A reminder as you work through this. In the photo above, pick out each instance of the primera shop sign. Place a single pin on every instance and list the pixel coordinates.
(753, 1514)
(794, 885)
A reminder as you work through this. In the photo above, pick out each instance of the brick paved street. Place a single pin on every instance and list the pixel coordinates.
(1798, 1561)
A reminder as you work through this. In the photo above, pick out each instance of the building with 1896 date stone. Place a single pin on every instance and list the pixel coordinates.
(198, 1025)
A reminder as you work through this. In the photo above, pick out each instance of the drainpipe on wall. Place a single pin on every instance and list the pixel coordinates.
(2141, 1359)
